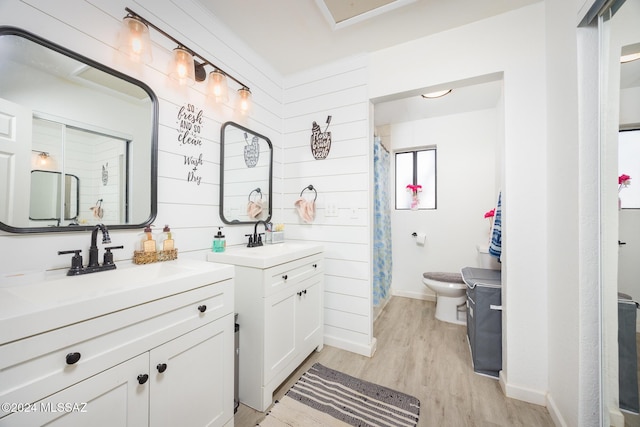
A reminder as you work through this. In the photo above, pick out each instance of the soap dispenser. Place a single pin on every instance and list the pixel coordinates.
(165, 241)
(219, 244)
(146, 243)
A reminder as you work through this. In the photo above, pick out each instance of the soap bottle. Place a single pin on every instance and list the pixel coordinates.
(219, 244)
(146, 243)
(165, 241)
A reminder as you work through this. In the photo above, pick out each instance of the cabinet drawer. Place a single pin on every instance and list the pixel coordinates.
(35, 367)
(289, 274)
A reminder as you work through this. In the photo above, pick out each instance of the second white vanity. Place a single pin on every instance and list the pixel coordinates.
(279, 301)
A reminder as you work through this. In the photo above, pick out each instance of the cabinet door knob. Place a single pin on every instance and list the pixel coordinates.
(73, 358)
(285, 277)
(161, 367)
(299, 293)
(304, 292)
(315, 265)
(202, 308)
(142, 378)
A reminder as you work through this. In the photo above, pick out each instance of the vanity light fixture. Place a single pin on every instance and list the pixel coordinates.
(43, 157)
(134, 40)
(438, 94)
(134, 36)
(217, 86)
(183, 68)
(244, 100)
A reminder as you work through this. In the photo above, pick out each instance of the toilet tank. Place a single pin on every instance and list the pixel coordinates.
(485, 260)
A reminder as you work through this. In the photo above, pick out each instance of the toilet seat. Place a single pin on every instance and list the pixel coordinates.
(454, 279)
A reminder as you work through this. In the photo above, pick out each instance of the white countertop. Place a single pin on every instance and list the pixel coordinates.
(32, 307)
(264, 256)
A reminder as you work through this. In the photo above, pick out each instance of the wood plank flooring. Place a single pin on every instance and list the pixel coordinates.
(428, 359)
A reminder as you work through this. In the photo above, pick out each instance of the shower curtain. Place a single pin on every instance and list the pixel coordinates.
(381, 224)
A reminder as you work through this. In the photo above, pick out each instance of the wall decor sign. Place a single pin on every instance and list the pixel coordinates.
(105, 174)
(320, 141)
(251, 151)
(190, 123)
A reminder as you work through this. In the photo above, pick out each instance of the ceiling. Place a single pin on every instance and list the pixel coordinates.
(293, 35)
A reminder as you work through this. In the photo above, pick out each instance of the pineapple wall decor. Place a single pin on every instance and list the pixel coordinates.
(105, 173)
(320, 141)
(251, 151)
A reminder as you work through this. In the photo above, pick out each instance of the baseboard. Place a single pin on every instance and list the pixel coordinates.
(413, 294)
(525, 394)
(364, 350)
(556, 416)
(616, 418)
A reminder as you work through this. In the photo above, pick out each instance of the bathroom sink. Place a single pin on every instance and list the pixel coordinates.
(264, 256)
(33, 305)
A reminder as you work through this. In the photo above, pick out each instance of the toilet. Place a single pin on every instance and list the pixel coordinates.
(451, 296)
(451, 291)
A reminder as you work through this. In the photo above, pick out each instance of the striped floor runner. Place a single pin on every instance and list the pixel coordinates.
(324, 397)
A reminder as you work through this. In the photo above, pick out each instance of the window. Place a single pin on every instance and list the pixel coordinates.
(629, 164)
(416, 168)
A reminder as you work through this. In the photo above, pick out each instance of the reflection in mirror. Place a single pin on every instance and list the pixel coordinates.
(620, 236)
(629, 218)
(51, 199)
(70, 116)
(246, 159)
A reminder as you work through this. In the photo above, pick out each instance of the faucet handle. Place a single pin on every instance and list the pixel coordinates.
(250, 244)
(76, 261)
(108, 255)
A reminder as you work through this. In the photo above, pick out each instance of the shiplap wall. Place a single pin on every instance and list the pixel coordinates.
(343, 180)
(90, 27)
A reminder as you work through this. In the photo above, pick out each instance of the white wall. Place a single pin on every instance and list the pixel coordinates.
(562, 234)
(342, 179)
(513, 44)
(466, 178)
(90, 27)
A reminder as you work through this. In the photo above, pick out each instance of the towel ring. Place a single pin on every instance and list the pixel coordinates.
(310, 187)
(257, 190)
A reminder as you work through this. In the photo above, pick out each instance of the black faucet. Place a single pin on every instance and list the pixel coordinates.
(257, 238)
(93, 266)
(93, 249)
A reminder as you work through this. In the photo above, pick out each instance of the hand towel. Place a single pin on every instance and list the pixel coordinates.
(254, 209)
(495, 246)
(306, 209)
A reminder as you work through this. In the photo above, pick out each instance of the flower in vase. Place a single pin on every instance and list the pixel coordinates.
(414, 189)
(624, 181)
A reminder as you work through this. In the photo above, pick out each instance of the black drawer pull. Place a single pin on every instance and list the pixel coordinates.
(299, 293)
(315, 265)
(304, 292)
(202, 308)
(142, 378)
(161, 367)
(73, 358)
(285, 277)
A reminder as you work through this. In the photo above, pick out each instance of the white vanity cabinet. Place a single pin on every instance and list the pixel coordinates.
(163, 360)
(280, 313)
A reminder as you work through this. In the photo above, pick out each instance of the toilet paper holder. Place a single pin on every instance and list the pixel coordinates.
(421, 238)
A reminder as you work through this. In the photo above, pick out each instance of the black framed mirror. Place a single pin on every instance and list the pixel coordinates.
(66, 114)
(246, 161)
(53, 200)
